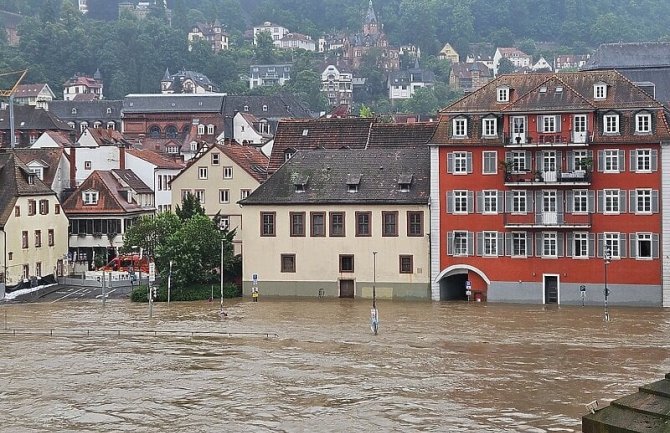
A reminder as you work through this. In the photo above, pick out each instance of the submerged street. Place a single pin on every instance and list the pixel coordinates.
(314, 365)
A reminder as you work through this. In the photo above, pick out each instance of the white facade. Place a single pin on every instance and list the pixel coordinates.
(158, 179)
(276, 31)
(243, 131)
(89, 159)
(542, 64)
(518, 58)
(337, 86)
(296, 40)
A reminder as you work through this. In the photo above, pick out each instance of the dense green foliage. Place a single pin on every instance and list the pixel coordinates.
(195, 292)
(132, 54)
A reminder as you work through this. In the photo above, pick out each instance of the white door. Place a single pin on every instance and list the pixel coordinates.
(519, 129)
(579, 128)
(549, 209)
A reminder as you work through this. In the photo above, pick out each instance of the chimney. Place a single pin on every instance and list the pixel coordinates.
(122, 157)
(73, 167)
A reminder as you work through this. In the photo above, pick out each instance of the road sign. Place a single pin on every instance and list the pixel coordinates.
(152, 272)
(468, 285)
(254, 279)
(582, 288)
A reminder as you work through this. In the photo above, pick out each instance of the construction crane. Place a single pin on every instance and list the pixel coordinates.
(10, 92)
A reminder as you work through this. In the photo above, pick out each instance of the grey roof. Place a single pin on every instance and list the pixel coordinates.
(630, 55)
(278, 106)
(378, 173)
(87, 110)
(27, 118)
(174, 103)
(200, 79)
(14, 180)
(133, 181)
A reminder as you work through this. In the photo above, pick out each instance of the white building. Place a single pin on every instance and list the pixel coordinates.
(518, 58)
(337, 85)
(156, 171)
(296, 40)
(276, 31)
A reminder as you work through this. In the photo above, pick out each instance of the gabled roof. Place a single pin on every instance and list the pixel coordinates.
(630, 55)
(132, 180)
(552, 94)
(200, 79)
(83, 80)
(30, 118)
(107, 137)
(62, 138)
(249, 158)
(377, 173)
(156, 159)
(110, 198)
(48, 156)
(31, 90)
(173, 103)
(14, 180)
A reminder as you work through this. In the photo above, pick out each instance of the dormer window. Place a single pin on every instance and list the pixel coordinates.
(489, 127)
(642, 123)
(90, 197)
(201, 129)
(288, 154)
(210, 129)
(265, 108)
(460, 126)
(74, 111)
(353, 182)
(300, 183)
(246, 108)
(31, 178)
(109, 111)
(611, 123)
(503, 94)
(305, 132)
(405, 182)
(600, 91)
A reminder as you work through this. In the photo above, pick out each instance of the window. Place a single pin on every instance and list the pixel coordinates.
(503, 94)
(490, 202)
(645, 245)
(459, 241)
(215, 158)
(265, 108)
(268, 223)
(184, 194)
(642, 200)
(519, 244)
(519, 202)
(32, 207)
(460, 162)
(415, 223)
(224, 196)
(227, 172)
(201, 129)
(24, 239)
(38, 238)
(38, 269)
(580, 245)
(490, 162)
(297, 223)
(90, 197)
(579, 160)
(461, 201)
(490, 241)
(363, 222)
(406, 264)
(17, 211)
(490, 127)
(580, 201)
(202, 173)
(389, 224)
(460, 127)
(612, 244)
(318, 226)
(244, 193)
(210, 129)
(600, 91)
(200, 195)
(337, 228)
(612, 160)
(643, 160)
(26, 272)
(44, 207)
(57, 209)
(548, 123)
(549, 244)
(611, 203)
(87, 165)
(611, 123)
(288, 262)
(643, 123)
(346, 263)
(519, 161)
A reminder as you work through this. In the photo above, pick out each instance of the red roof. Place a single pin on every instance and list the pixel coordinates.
(156, 159)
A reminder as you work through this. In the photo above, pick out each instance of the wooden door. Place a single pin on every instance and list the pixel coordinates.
(346, 288)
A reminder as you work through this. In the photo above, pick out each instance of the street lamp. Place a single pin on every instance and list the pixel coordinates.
(606, 291)
(222, 312)
(374, 314)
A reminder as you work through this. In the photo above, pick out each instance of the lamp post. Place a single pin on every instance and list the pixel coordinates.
(222, 312)
(606, 291)
(374, 314)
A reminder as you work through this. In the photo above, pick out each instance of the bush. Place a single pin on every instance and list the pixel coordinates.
(198, 292)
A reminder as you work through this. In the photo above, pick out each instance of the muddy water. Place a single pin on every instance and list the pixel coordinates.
(433, 367)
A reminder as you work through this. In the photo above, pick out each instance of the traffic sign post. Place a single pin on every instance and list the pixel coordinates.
(582, 292)
(468, 289)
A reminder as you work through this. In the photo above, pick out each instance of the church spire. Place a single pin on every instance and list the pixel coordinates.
(371, 17)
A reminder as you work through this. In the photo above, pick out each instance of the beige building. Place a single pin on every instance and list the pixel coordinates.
(219, 177)
(34, 230)
(313, 228)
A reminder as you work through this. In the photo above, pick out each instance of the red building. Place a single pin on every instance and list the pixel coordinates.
(546, 189)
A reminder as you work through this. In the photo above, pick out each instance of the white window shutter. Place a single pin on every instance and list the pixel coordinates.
(471, 201)
(654, 201)
(601, 201)
(561, 244)
(538, 244)
(469, 162)
(633, 160)
(450, 243)
(592, 202)
(570, 159)
(569, 246)
(569, 197)
(508, 243)
(622, 160)
(655, 246)
(632, 240)
(632, 199)
(622, 200)
(450, 202)
(601, 160)
(501, 244)
(480, 202)
(654, 160)
(601, 244)
(592, 244)
(450, 162)
(480, 243)
(470, 243)
(622, 245)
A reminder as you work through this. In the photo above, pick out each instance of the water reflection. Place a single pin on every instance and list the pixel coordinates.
(433, 367)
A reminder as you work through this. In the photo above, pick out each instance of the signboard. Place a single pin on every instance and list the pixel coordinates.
(582, 288)
(468, 285)
(254, 279)
(152, 272)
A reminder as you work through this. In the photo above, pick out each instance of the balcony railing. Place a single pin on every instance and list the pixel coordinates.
(547, 220)
(548, 139)
(542, 178)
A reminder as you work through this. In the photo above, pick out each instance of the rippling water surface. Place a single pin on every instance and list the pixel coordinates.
(85, 367)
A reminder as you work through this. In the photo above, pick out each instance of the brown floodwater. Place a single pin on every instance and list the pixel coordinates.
(444, 367)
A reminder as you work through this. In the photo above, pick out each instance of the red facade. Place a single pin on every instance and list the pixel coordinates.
(541, 177)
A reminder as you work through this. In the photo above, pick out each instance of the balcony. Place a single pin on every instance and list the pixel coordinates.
(544, 220)
(542, 178)
(553, 139)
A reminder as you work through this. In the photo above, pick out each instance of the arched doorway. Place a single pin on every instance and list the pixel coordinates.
(455, 280)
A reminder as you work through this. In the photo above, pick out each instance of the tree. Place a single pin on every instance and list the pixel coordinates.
(190, 206)
(505, 66)
(149, 232)
(265, 49)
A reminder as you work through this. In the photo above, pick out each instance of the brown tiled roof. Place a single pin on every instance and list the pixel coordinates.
(60, 137)
(251, 159)
(107, 137)
(49, 156)
(552, 94)
(159, 144)
(401, 134)
(28, 90)
(85, 97)
(110, 200)
(334, 133)
(132, 180)
(14, 183)
(156, 159)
